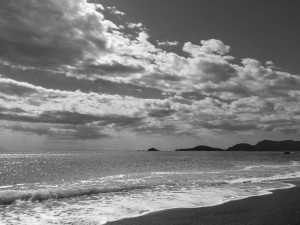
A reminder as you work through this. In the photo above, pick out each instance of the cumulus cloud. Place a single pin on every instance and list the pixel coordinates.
(67, 115)
(51, 33)
(203, 90)
(211, 46)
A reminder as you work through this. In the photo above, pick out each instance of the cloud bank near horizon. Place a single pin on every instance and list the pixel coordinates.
(201, 91)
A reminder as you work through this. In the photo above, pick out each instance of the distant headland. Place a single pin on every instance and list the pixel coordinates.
(265, 145)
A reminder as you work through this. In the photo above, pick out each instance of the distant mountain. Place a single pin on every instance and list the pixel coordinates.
(201, 148)
(152, 150)
(241, 147)
(287, 145)
(267, 145)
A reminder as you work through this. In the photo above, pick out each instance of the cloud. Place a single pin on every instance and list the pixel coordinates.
(10, 87)
(135, 25)
(98, 6)
(11, 110)
(164, 109)
(51, 33)
(114, 10)
(67, 114)
(167, 43)
(230, 126)
(215, 72)
(56, 117)
(60, 132)
(289, 131)
(111, 69)
(74, 109)
(76, 40)
(127, 83)
(211, 46)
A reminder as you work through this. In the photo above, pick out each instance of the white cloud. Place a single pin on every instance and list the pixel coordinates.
(211, 46)
(101, 115)
(114, 10)
(135, 25)
(167, 43)
(98, 6)
(74, 38)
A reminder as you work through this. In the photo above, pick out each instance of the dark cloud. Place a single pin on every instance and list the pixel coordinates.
(60, 81)
(229, 126)
(286, 126)
(168, 129)
(161, 112)
(30, 129)
(73, 118)
(121, 122)
(279, 121)
(193, 95)
(11, 110)
(286, 83)
(158, 80)
(238, 89)
(289, 131)
(269, 107)
(164, 109)
(61, 132)
(111, 69)
(84, 133)
(163, 76)
(216, 72)
(49, 33)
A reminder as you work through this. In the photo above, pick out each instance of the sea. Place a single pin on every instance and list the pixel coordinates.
(96, 187)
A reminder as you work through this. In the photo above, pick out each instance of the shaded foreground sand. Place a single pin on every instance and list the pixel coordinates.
(280, 208)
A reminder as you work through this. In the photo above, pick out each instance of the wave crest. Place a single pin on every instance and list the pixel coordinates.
(9, 197)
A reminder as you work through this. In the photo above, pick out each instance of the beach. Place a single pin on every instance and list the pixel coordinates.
(171, 188)
(282, 207)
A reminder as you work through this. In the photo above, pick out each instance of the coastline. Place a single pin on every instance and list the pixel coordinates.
(280, 207)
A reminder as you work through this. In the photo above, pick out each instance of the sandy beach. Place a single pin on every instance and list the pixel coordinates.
(280, 208)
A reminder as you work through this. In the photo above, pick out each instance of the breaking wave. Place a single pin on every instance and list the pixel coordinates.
(9, 197)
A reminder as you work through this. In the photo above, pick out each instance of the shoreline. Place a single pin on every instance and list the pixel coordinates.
(282, 206)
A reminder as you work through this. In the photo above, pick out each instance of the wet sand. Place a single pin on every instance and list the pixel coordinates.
(280, 208)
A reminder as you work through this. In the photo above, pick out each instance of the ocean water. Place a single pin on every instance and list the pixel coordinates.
(98, 187)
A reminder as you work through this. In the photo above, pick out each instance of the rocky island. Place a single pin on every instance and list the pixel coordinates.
(152, 150)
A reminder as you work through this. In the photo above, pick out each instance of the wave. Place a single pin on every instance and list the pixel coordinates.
(291, 164)
(265, 179)
(183, 173)
(9, 197)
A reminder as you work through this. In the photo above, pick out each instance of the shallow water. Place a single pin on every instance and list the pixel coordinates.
(96, 187)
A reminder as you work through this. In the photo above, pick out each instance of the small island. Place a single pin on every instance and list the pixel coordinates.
(201, 148)
(152, 150)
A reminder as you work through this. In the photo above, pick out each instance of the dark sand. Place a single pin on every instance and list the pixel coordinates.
(280, 208)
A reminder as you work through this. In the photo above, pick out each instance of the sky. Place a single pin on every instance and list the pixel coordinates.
(129, 75)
